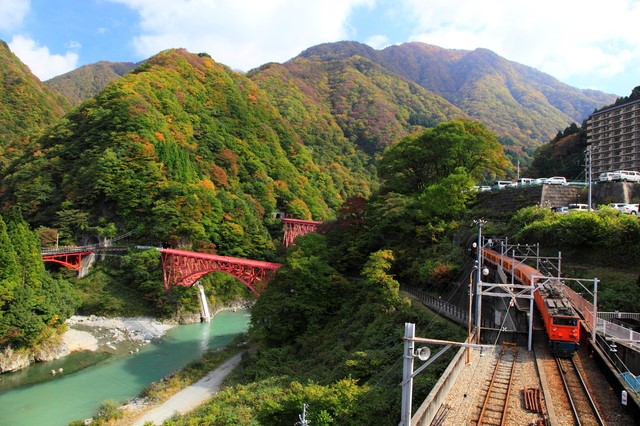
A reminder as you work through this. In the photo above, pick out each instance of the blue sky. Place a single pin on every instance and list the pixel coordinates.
(585, 43)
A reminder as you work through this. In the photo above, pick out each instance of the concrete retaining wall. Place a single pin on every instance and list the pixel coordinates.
(508, 200)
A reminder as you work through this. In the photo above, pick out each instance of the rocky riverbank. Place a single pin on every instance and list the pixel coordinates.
(96, 333)
(90, 333)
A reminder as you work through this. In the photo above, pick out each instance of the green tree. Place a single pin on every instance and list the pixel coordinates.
(447, 199)
(31, 301)
(415, 162)
(302, 297)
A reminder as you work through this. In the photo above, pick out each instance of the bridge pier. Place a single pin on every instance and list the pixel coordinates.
(204, 305)
(85, 264)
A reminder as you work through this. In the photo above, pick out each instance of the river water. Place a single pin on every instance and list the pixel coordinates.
(35, 398)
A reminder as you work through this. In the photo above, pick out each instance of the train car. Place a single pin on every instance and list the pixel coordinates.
(561, 321)
(525, 274)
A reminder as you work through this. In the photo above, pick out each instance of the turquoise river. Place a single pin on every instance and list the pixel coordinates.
(33, 397)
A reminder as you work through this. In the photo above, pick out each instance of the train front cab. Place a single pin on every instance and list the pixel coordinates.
(564, 336)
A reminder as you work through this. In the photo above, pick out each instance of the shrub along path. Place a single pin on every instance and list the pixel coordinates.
(192, 396)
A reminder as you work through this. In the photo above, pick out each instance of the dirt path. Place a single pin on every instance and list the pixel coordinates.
(191, 397)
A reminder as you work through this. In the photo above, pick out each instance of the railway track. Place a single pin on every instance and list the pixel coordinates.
(584, 409)
(496, 401)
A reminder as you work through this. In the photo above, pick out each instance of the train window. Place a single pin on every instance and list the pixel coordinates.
(565, 321)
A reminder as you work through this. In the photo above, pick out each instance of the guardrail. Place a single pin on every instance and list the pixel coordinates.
(67, 249)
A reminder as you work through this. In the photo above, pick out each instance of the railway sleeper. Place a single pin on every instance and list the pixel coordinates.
(532, 399)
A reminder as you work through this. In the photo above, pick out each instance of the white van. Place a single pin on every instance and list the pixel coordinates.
(502, 184)
(525, 181)
(605, 177)
(579, 207)
(626, 176)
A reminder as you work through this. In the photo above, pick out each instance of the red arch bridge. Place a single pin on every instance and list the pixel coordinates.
(180, 267)
(185, 268)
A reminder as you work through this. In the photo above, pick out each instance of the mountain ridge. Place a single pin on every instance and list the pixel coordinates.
(27, 106)
(88, 80)
(524, 106)
(471, 78)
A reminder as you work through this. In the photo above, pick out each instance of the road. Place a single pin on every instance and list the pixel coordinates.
(191, 397)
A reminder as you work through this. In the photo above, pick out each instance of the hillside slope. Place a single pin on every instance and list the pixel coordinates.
(515, 101)
(355, 98)
(27, 106)
(88, 80)
(181, 149)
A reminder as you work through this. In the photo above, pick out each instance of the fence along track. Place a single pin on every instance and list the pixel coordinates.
(496, 402)
(584, 409)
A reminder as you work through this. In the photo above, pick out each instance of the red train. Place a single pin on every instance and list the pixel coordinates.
(561, 321)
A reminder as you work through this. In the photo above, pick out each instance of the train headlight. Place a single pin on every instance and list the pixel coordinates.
(554, 329)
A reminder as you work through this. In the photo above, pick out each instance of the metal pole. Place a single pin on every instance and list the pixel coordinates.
(589, 176)
(407, 373)
(595, 310)
(478, 276)
(469, 319)
(533, 289)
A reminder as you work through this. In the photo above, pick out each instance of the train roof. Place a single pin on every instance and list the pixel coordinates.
(556, 303)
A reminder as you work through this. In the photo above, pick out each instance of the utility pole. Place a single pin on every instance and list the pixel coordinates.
(478, 222)
(589, 176)
(423, 354)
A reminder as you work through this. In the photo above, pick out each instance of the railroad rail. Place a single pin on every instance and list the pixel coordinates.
(582, 404)
(496, 402)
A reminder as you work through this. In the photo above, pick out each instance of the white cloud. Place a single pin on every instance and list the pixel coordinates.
(12, 13)
(244, 33)
(566, 38)
(42, 63)
(379, 41)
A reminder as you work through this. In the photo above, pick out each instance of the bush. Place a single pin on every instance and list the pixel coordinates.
(109, 410)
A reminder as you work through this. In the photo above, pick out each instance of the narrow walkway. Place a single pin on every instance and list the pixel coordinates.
(190, 397)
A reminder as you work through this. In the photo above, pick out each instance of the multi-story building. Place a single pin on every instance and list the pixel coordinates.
(614, 137)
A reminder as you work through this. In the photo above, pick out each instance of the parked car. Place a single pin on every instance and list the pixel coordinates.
(630, 209)
(605, 177)
(479, 188)
(502, 184)
(578, 207)
(557, 180)
(617, 206)
(562, 210)
(625, 176)
(525, 181)
(539, 181)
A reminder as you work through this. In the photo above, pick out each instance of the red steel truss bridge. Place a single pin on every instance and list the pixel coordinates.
(70, 256)
(184, 268)
(295, 227)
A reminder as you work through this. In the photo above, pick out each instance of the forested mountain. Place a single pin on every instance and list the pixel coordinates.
(88, 80)
(522, 105)
(371, 104)
(181, 149)
(353, 98)
(27, 106)
(212, 153)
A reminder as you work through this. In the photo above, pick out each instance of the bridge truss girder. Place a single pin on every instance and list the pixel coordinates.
(294, 228)
(185, 268)
(68, 260)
